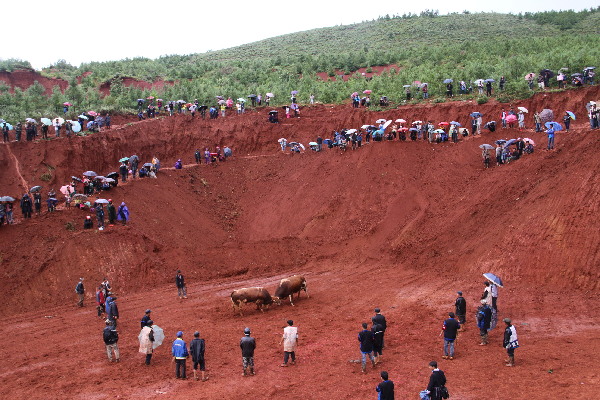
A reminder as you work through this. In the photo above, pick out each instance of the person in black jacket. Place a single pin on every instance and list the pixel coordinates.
(124, 172)
(80, 290)
(197, 349)
(484, 320)
(450, 332)
(145, 318)
(26, 206)
(377, 330)
(366, 339)
(437, 381)
(247, 344)
(113, 312)
(460, 308)
(111, 337)
(385, 388)
(180, 283)
(380, 319)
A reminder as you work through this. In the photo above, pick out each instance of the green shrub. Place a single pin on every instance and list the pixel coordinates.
(482, 100)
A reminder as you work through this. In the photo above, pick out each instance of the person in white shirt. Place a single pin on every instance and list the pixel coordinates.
(290, 341)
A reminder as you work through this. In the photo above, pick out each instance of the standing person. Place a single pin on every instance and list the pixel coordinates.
(437, 382)
(521, 118)
(503, 118)
(312, 99)
(289, 340)
(366, 339)
(80, 290)
(100, 300)
(112, 213)
(146, 339)
(479, 124)
(57, 129)
(145, 319)
(380, 319)
(37, 203)
(197, 347)
(113, 311)
(493, 286)
(486, 158)
(484, 320)
(499, 155)
(44, 131)
(100, 216)
(319, 143)
(107, 121)
(502, 83)
(248, 345)
(487, 293)
(180, 283)
(123, 213)
(550, 133)
(180, 354)
(124, 171)
(377, 330)
(18, 131)
(385, 388)
(111, 337)
(449, 89)
(197, 156)
(460, 308)
(510, 342)
(567, 121)
(5, 132)
(450, 332)
(538, 121)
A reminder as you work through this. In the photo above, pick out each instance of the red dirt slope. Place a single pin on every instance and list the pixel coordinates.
(23, 79)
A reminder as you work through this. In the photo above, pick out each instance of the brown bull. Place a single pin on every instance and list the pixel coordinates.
(259, 296)
(288, 286)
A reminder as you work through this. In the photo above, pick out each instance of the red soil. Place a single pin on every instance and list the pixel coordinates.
(396, 225)
(24, 78)
(376, 70)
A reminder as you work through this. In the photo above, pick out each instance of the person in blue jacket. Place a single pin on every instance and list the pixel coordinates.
(180, 354)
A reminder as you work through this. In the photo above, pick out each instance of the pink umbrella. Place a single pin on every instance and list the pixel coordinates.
(511, 118)
(416, 83)
(92, 113)
(529, 141)
(444, 123)
(354, 94)
(150, 98)
(401, 121)
(367, 91)
(529, 76)
(67, 104)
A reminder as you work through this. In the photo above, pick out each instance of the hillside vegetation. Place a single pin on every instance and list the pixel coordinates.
(428, 48)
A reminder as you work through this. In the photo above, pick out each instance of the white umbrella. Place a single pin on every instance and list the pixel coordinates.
(351, 131)
(301, 145)
(365, 126)
(417, 122)
(313, 144)
(387, 123)
(58, 121)
(529, 140)
(523, 109)
(159, 336)
(280, 140)
(380, 121)
(400, 121)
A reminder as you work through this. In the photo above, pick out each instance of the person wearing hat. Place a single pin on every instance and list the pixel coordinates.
(180, 354)
(87, 223)
(289, 340)
(197, 347)
(111, 337)
(385, 388)
(248, 345)
(80, 290)
(146, 338)
(180, 283)
(460, 309)
(484, 319)
(510, 342)
(380, 320)
(145, 318)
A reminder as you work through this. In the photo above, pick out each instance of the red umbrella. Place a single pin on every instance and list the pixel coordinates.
(67, 104)
(367, 91)
(444, 123)
(150, 98)
(92, 113)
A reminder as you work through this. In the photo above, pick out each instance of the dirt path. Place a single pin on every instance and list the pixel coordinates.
(17, 166)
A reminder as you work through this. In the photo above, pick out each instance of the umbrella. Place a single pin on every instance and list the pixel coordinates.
(67, 104)
(444, 123)
(35, 189)
(530, 76)
(270, 95)
(294, 92)
(547, 73)
(79, 196)
(529, 141)
(92, 113)
(90, 125)
(221, 102)
(159, 336)
(313, 144)
(511, 118)
(589, 68)
(75, 126)
(406, 86)
(546, 115)
(416, 83)
(134, 158)
(65, 190)
(112, 175)
(183, 101)
(252, 96)
(413, 130)
(417, 122)
(448, 81)
(89, 174)
(486, 146)
(82, 116)
(523, 109)
(354, 94)
(439, 131)
(142, 100)
(365, 126)
(589, 105)
(510, 142)
(478, 81)
(351, 131)
(500, 142)
(571, 115)
(273, 112)
(227, 152)
(576, 75)
(202, 107)
(76, 179)
(387, 123)
(381, 121)
(476, 114)
(101, 201)
(455, 123)
(124, 159)
(493, 278)
(148, 98)
(367, 91)
(217, 97)
(58, 121)
(109, 180)
(280, 140)
(9, 126)
(46, 121)
(490, 80)
(33, 121)
(6, 199)
(99, 177)
(553, 125)
(148, 164)
(400, 121)
(241, 100)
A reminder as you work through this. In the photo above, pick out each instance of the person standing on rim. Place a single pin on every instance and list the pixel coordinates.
(180, 283)
(460, 308)
(80, 290)
(248, 345)
(289, 340)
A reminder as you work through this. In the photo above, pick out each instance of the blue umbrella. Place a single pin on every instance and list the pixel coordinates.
(76, 126)
(455, 123)
(571, 115)
(510, 142)
(500, 142)
(493, 278)
(10, 127)
(476, 114)
(448, 81)
(90, 124)
(553, 125)
(490, 80)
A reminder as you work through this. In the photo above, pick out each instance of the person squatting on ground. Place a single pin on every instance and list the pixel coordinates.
(248, 345)
(510, 342)
(111, 337)
(180, 283)
(197, 347)
(180, 354)
(146, 339)
(289, 340)
(366, 339)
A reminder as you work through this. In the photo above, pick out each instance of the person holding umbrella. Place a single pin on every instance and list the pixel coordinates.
(567, 121)
(146, 339)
